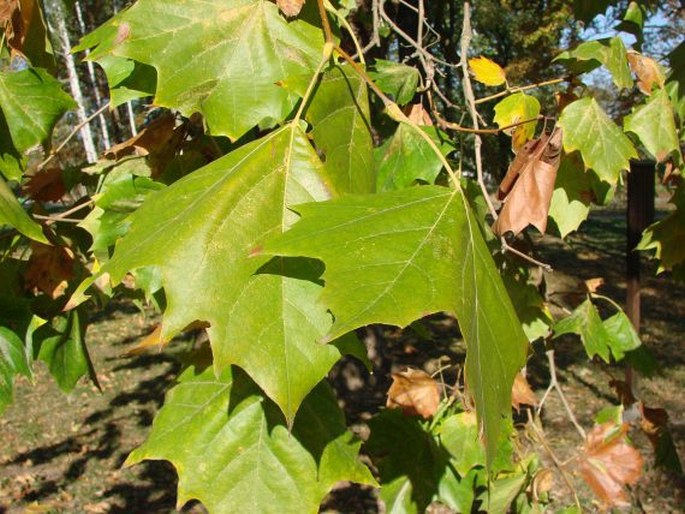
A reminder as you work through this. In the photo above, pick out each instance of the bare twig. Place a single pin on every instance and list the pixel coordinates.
(53, 219)
(554, 385)
(517, 89)
(466, 35)
(557, 463)
(71, 135)
(64, 216)
(506, 247)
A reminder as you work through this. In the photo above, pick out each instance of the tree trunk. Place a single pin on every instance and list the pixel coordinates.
(104, 131)
(58, 28)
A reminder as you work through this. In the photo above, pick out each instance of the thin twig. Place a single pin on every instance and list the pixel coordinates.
(71, 135)
(517, 89)
(324, 22)
(554, 383)
(54, 219)
(466, 35)
(65, 214)
(557, 463)
(506, 247)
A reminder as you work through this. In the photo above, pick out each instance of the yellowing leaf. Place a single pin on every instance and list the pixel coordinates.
(415, 392)
(514, 109)
(487, 72)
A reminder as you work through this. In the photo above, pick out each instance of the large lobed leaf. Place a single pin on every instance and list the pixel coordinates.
(199, 232)
(602, 144)
(395, 257)
(31, 103)
(222, 59)
(654, 124)
(233, 451)
(609, 52)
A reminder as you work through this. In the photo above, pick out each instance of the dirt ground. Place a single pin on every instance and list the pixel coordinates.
(63, 454)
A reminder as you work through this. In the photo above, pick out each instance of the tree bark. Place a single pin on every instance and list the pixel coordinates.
(58, 28)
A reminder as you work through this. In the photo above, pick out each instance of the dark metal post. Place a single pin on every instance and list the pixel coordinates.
(640, 214)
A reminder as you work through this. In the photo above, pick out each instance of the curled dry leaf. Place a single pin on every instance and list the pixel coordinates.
(521, 393)
(647, 71)
(526, 190)
(608, 463)
(415, 392)
(49, 269)
(417, 114)
(16, 17)
(593, 284)
(543, 482)
(290, 7)
(487, 72)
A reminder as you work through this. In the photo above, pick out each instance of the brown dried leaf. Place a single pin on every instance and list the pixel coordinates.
(49, 269)
(417, 114)
(151, 138)
(521, 393)
(647, 71)
(527, 187)
(543, 482)
(290, 7)
(608, 463)
(593, 284)
(415, 392)
(46, 186)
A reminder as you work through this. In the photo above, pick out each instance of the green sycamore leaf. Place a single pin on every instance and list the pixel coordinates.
(609, 52)
(654, 124)
(613, 336)
(572, 195)
(123, 190)
(406, 157)
(12, 213)
(396, 79)
(200, 231)
(398, 256)
(339, 114)
(127, 79)
(233, 451)
(223, 59)
(515, 108)
(13, 361)
(602, 144)
(61, 345)
(409, 460)
(31, 101)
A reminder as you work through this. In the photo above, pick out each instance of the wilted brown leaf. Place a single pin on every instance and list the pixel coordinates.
(608, 463)
(46, 185)
(521, 393)
(593, 284)
(290, 7)
(647, 71)
(415, 392)
(527, 187)
(49, 269)
(152, 137)
(543, 482)
(417, 114)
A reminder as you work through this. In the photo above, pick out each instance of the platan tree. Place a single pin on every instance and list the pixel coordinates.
(317, 168)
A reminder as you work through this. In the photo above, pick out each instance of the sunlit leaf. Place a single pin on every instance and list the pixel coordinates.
(655, 125)
(200, 231)
(572, 196)
(223, 59)
(398, 256)
(514, 109)
(487, 71)
(609, 52)
(602, 144)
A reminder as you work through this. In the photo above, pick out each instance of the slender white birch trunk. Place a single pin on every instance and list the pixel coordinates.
(58, 26)
(104, 131)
